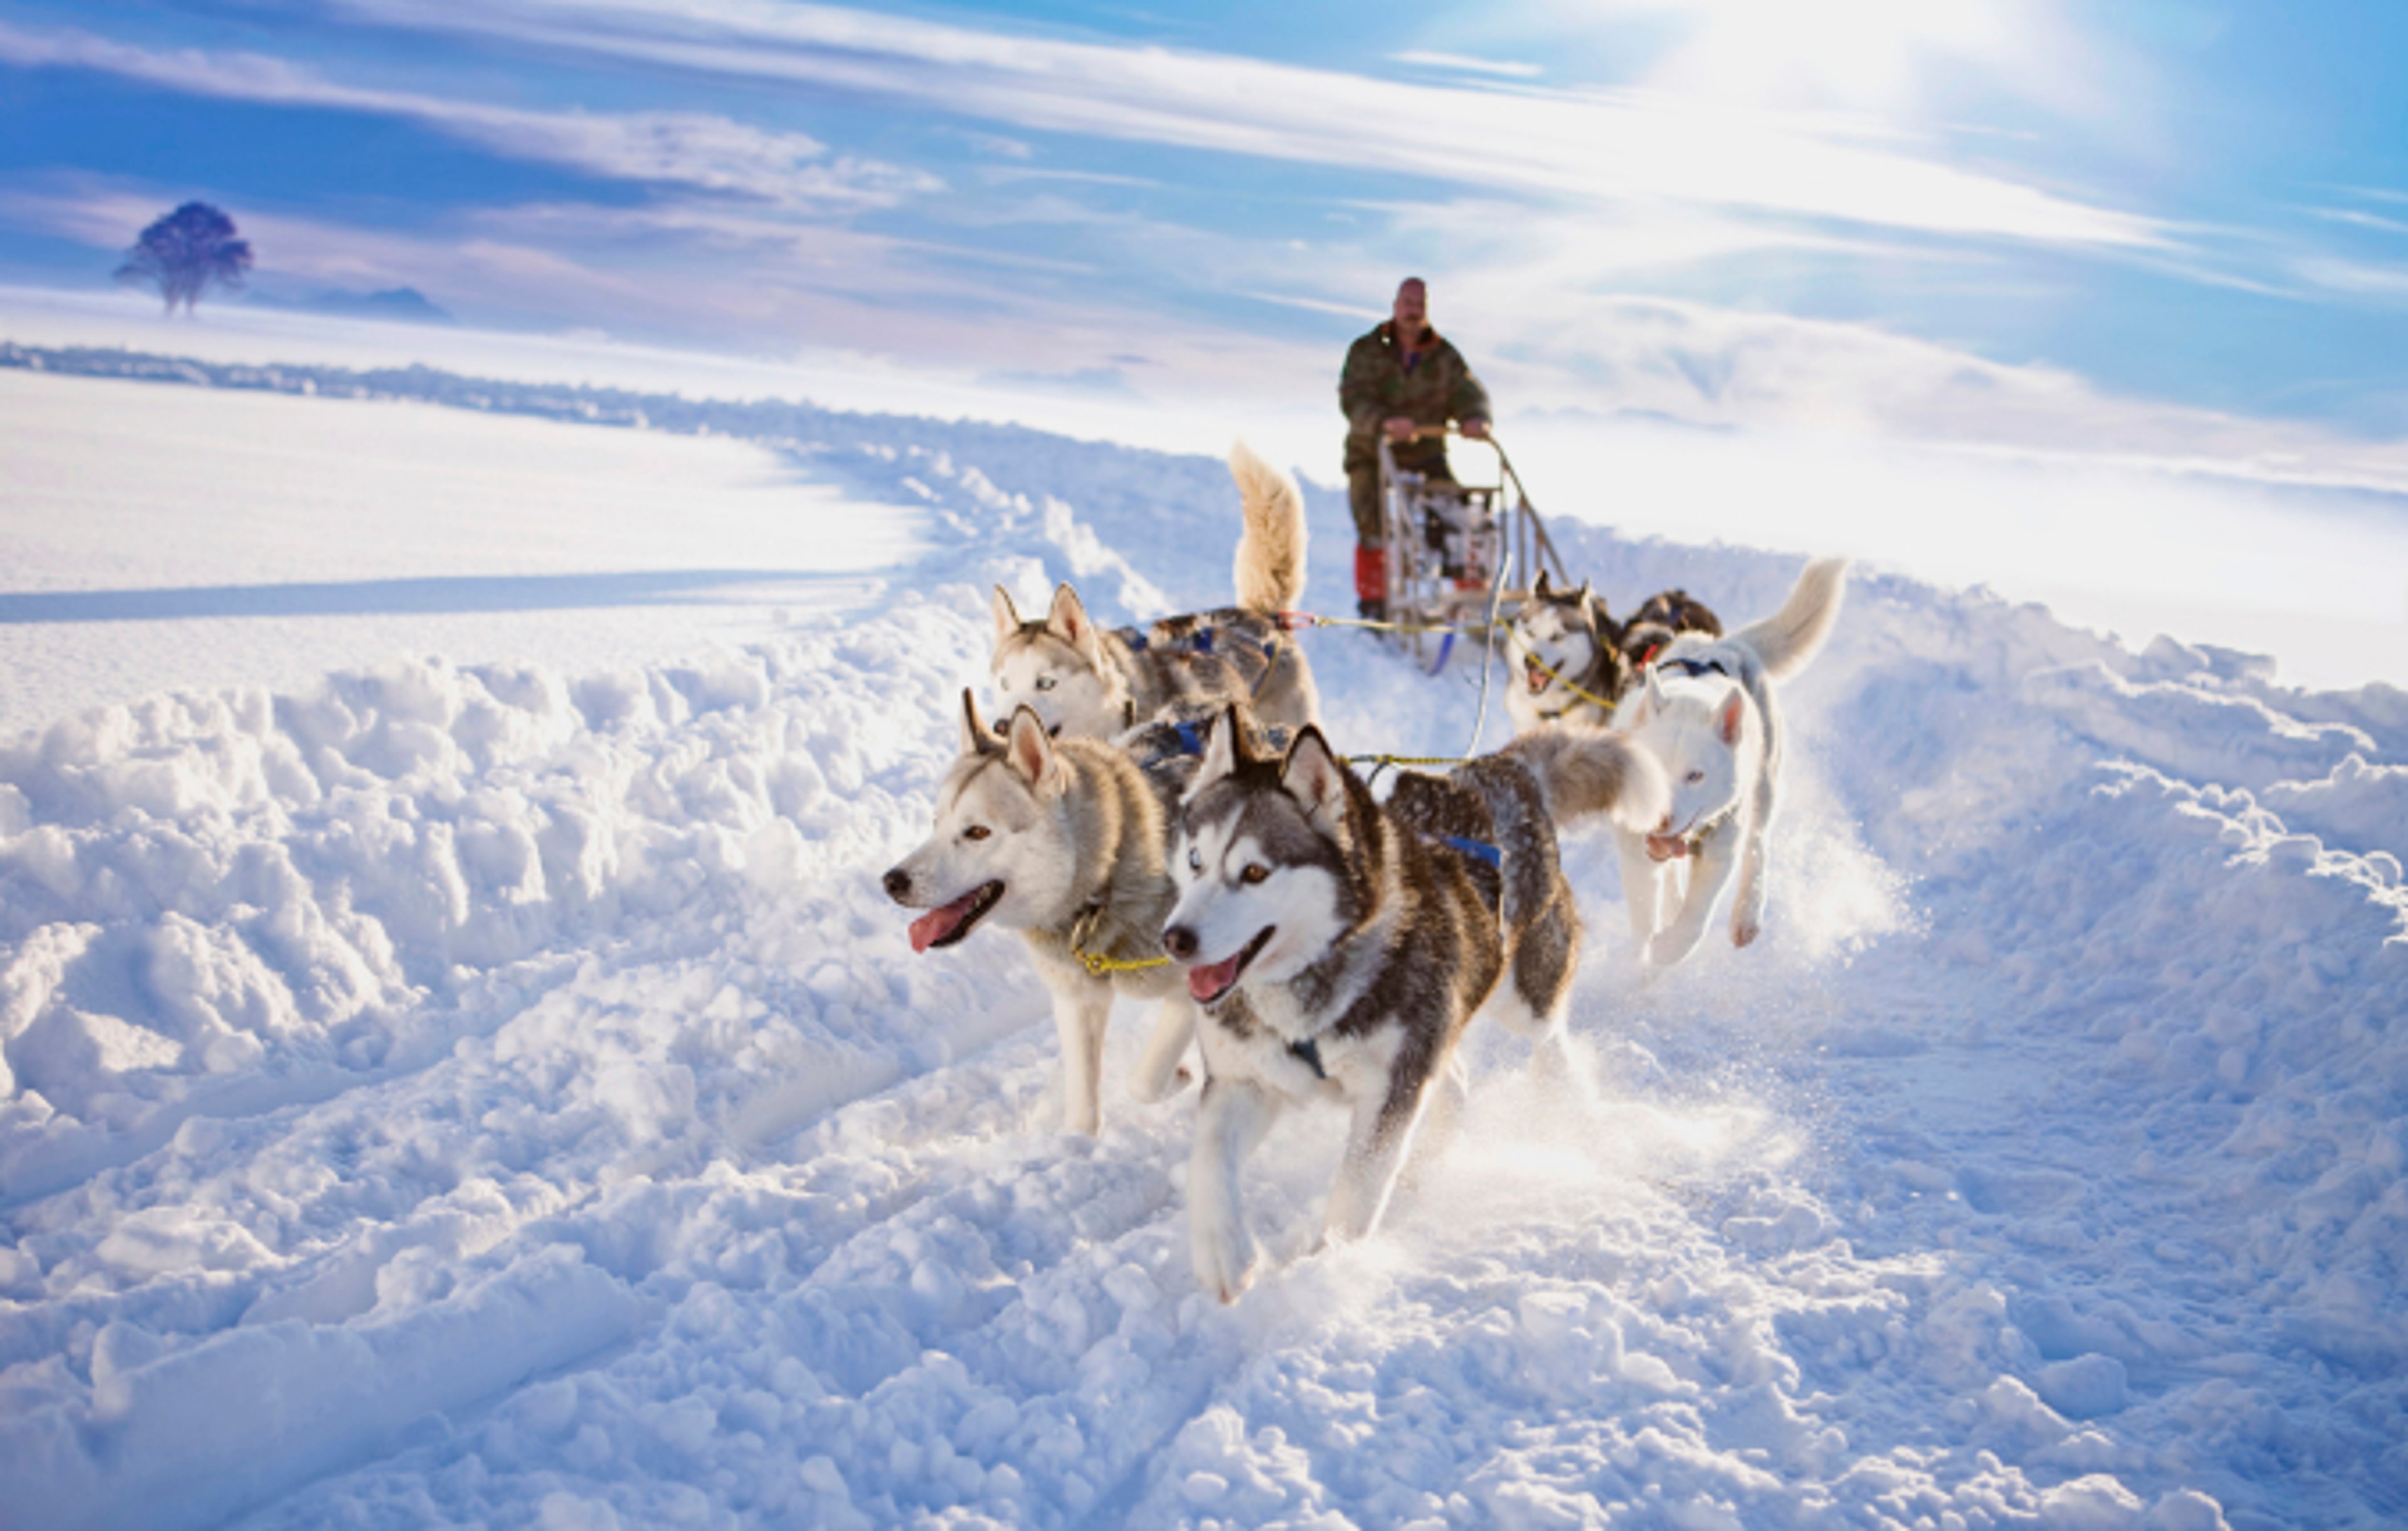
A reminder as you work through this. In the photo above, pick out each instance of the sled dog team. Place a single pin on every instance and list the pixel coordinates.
(1159, 816)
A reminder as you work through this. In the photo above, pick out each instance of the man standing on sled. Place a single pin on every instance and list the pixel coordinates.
(1400, 377)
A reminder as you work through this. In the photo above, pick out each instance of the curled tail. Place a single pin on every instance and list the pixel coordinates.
(1787, 640)
(1270, 551)
(1585, 773)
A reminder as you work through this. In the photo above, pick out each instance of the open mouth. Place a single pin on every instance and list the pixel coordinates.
(1534, 671)
(1207, 984)
(1666, 847)
(947, 926)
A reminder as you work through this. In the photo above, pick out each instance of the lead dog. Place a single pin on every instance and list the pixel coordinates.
(1064, 842)
(1340, 946)
(1706, 712)
(1087, 682)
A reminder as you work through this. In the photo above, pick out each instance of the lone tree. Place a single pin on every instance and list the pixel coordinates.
(183, 252)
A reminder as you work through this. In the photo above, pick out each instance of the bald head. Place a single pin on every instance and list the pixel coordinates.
(1412, 312)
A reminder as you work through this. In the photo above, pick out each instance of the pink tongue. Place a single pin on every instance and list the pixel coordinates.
(1538, 678)
(937, 925)
(1208, 983)
(1666, 847)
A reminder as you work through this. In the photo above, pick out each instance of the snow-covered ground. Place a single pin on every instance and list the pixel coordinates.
(492, 1090)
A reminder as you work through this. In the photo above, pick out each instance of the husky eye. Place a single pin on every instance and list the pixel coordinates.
(1045, 682)
(1256, 872)
(1695, 776)
(1195, 859)
(977, 832)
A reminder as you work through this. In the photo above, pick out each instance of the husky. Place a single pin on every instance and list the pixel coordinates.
(1086, 681)
(1063, 840)
(1566, 655)
(1661, 618)
(1705, 711)
(1339, 947)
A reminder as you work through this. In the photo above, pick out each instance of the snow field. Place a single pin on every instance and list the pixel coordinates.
(467, 1093)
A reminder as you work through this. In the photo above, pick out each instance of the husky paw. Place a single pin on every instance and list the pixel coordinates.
(1746, 928)
(1224, 1262)
(1154, 1090)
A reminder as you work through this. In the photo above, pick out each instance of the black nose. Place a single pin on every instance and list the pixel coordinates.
(898, 884)
(1179, 942)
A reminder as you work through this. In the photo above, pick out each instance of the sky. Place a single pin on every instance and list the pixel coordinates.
(2169, 235)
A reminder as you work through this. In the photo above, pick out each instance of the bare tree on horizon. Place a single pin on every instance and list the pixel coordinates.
(185, 251)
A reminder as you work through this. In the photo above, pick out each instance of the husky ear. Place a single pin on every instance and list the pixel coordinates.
(1007, 616)
(1733, 714)
(1650, 700)
(976, 740)
(1316, 779)
(1541, 591)
(1224, 750)
(1067, 620)
(1028, 749)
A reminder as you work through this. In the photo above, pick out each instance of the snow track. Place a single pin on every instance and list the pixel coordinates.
(491, 1095)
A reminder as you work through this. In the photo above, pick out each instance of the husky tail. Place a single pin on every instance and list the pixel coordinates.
(1787, 640)
(1585, 773)
(1270, 551)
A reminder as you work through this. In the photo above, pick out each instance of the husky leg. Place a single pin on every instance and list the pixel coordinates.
(1642, 884)
(1747, 905)
(1382, 1135)
(1710, 872)
(1442, 1118)
(1230, 1121)
(1158, 1075)
(1079, 1019)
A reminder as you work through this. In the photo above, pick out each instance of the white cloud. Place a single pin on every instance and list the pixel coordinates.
(685, 148)
(1464, 64)
(1609, 145)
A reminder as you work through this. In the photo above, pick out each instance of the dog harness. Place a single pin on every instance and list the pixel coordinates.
(1098, 964)
(1556, 675)
(1696, 667)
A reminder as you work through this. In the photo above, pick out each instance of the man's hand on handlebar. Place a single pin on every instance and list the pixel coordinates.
(1399, 427)
(1475, 428)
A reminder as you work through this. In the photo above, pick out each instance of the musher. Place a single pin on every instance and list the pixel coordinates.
(1401, 376)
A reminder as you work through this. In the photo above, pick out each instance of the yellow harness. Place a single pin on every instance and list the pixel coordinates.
(1097, 964)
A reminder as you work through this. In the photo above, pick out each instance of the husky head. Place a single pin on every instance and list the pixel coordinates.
(1267, 859)
(1058, 668)
(1566, 632)
(1695, 730)
(999, 849)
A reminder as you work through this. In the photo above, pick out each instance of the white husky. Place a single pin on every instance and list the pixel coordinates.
(1706, 712)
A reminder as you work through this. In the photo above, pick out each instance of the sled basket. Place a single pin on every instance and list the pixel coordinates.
(1448, 541)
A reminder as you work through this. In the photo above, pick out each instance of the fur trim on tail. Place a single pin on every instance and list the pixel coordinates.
(1789, 638)
(1585, 773)
(1270, 551)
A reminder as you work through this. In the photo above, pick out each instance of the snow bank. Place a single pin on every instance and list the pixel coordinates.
(488, 1094)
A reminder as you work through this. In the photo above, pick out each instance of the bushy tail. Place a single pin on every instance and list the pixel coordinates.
(1585, 773)
(1787, 640)
(1270, 551)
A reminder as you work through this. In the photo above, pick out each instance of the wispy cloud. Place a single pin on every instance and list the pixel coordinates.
(690, 150)
(1465, 64)
(1611, 145)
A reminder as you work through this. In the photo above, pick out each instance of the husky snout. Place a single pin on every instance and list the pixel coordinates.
(898, 884)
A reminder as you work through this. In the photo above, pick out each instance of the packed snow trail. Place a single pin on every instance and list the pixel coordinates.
(487, 1096)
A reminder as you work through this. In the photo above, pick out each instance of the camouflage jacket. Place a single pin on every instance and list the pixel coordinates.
(1440, 389)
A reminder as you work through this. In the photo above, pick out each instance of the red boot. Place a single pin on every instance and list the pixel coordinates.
(1372, 583)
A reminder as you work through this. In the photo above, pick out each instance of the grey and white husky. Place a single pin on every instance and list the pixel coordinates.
(1086, 681)
(1706, 711)
(1340, 946)
(1064, 840)
(1566, 655)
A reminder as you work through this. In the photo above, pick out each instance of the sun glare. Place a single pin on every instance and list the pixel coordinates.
(1810, 54)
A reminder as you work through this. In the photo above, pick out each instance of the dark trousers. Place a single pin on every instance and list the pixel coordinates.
(1363, 496)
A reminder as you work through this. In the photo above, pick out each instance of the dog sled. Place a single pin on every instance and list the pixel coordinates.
(1459, 551)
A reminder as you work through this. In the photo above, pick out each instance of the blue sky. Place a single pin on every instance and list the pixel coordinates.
(2157, 229)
